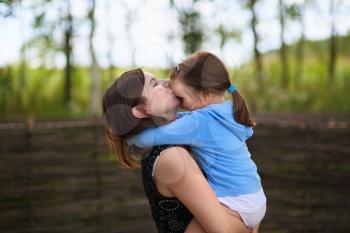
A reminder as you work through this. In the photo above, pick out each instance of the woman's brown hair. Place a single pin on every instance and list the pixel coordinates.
(120, 124)
(207, 74)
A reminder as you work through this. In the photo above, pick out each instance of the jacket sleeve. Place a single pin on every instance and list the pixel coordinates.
(182, 131)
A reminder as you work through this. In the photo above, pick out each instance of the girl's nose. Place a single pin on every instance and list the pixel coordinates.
(166, 83)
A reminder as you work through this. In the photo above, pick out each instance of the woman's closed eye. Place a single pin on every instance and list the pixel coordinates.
(154, 82)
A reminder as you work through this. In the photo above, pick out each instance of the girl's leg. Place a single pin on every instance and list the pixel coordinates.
(255, 229)
(239, 225)
(194, 227)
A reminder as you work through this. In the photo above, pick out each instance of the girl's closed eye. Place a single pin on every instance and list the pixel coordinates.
(182, 99)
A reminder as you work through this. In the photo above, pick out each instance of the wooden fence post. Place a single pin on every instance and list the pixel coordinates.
(28, 194)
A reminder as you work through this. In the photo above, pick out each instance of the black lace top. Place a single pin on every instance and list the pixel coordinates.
(169, 214)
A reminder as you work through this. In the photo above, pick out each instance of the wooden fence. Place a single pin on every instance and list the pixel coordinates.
(60, 177)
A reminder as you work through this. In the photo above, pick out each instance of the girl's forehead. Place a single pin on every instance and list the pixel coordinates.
(180, 87)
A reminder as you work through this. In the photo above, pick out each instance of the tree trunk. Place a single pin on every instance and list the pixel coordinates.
(22, 74)
(332, 46)
(257, 54)
(22, 70)
(284, 49)
(68, 34)
(191, 27)
(94, 69)
(300, 51)
(110, 41)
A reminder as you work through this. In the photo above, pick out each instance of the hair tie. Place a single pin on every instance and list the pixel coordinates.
(231, 88)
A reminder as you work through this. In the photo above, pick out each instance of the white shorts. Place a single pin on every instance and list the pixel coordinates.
(251, 207)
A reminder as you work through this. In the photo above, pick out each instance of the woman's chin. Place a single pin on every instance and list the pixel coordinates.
(173, 111)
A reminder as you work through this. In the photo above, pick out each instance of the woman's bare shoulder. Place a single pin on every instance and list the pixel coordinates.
(175, 150)
(173, 164)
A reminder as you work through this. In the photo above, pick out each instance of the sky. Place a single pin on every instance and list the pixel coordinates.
(154, 39)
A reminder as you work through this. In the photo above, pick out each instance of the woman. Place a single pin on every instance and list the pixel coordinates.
(181, 199)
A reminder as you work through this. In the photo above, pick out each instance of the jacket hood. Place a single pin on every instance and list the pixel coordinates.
(224, 113)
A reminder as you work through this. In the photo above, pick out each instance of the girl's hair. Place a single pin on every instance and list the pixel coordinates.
(207, 74)
(120, 124)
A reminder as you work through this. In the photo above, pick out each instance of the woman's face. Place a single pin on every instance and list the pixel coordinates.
(160, 99)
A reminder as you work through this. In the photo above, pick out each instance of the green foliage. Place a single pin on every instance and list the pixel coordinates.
(38, 92)
(191, 26)
(225, 35)
(193, 34)
(294, 11)
(312, 93)
(42, 96)
(7, 7)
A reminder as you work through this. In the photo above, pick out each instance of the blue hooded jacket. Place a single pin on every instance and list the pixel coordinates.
(218, 142)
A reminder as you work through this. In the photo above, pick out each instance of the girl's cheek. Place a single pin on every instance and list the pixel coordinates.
(188, 104)
(185, 106)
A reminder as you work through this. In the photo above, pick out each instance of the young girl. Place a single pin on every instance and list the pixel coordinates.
(216, 131)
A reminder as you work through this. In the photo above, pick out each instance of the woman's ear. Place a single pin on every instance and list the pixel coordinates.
(139, 112)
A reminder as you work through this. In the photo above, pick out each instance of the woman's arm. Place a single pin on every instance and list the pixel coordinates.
(178, 172)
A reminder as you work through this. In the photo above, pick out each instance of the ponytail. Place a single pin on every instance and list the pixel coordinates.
(241, 113)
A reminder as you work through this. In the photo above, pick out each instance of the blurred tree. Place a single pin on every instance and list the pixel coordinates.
(68, 36)
(296, 12)
(130, 19)
(22, 74)
(12, 8)
(284, 48)
(225, 35)
(191, 27)
(94, 68)
(6, 88)
(332, 43)
(47, 37)
(7, 7)
(110, 40)
(257, 55)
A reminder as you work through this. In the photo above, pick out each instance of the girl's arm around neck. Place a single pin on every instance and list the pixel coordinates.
(182, 131)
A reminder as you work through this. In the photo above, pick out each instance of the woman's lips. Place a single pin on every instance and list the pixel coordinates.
(178, 102)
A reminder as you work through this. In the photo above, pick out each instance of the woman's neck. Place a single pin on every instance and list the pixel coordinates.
(171, 116)
(166, 118)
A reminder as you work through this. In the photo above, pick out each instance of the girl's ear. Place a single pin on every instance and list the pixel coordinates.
(139, 112)
(206, 95)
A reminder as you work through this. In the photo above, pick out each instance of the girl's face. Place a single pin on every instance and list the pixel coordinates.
(160, 99)
(190, 100)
